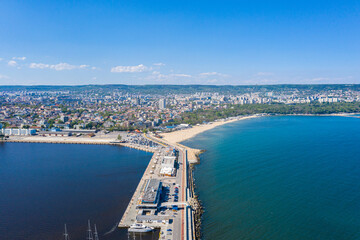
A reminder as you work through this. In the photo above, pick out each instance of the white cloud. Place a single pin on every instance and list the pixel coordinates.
(130, 69)
(1, 59)
(180, 75)
(206, 74)
(168, 77)
(3, 77)
(19, 58)
(12, 63)
(159, 64)
(39, 65)
(57, 67)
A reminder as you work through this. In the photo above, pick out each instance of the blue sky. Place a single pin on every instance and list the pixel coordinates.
(179, 42)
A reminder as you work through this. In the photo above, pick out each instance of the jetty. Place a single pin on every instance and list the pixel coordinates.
(169, 204)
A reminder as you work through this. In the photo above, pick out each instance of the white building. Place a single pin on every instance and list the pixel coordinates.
(168, 166)
(17, 132)
(162, 103)
(166, 171)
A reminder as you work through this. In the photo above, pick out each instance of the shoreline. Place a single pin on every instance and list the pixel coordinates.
(173, 138)
(179, 136)
(176, 137)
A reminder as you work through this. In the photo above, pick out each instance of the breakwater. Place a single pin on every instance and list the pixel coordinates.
(54, 141)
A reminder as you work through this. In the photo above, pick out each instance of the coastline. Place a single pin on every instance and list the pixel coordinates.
(173, 138)
(204, 229)
(179, 136)
(182, 135)
(75, 140)
(176, 137)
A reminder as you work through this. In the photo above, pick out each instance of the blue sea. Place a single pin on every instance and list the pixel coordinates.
(280, 178)
(43, 186)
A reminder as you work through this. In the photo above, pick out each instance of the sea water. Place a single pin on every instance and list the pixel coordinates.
(43, 186)
(280, 178)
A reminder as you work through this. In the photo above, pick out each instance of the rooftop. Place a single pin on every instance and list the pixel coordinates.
(151, 191)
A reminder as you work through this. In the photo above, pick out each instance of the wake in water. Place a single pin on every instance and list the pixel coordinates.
(112, 229)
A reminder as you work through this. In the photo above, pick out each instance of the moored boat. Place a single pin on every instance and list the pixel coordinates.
(136, 227)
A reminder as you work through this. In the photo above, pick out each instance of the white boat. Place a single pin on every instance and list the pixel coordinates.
(140, 228)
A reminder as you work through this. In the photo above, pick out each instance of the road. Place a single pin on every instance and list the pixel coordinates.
(180, 225)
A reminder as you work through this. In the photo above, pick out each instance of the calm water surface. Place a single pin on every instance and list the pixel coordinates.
(43, 186)
(281, 178)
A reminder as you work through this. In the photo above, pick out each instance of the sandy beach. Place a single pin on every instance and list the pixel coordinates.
(182, 135)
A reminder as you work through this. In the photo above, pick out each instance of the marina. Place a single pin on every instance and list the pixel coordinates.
(161, 200)
(109, 110)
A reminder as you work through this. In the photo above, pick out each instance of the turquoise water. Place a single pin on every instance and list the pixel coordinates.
(280, 178)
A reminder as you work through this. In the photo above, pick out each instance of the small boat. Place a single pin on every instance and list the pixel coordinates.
(140, 228)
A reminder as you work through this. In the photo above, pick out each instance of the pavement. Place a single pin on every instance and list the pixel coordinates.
(178, 226)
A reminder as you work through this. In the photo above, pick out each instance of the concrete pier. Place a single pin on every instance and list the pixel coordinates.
(181, 223)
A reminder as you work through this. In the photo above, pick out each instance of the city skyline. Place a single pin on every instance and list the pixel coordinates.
(217, 43)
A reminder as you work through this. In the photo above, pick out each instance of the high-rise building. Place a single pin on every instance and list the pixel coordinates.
(162, 103)
(64, 118)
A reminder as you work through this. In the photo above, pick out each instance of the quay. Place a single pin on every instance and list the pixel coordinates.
(175, 217)
(164, 198)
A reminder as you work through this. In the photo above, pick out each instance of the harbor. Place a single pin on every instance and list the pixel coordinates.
(172, 209)
(164, 198)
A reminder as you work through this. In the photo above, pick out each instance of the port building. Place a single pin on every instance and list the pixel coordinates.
(168, 166)
(151, 195)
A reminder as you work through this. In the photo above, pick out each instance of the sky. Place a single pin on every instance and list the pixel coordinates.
(179, 42)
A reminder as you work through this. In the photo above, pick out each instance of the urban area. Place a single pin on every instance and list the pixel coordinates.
(69, 110)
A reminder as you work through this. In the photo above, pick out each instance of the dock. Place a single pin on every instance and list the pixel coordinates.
(175, 219)
(173, 207)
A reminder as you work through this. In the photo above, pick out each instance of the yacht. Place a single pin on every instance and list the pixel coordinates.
(136, 227)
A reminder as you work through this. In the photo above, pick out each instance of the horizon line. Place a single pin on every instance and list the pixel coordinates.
(184, 85)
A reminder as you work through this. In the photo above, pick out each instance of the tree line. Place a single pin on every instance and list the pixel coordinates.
(209, 115)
